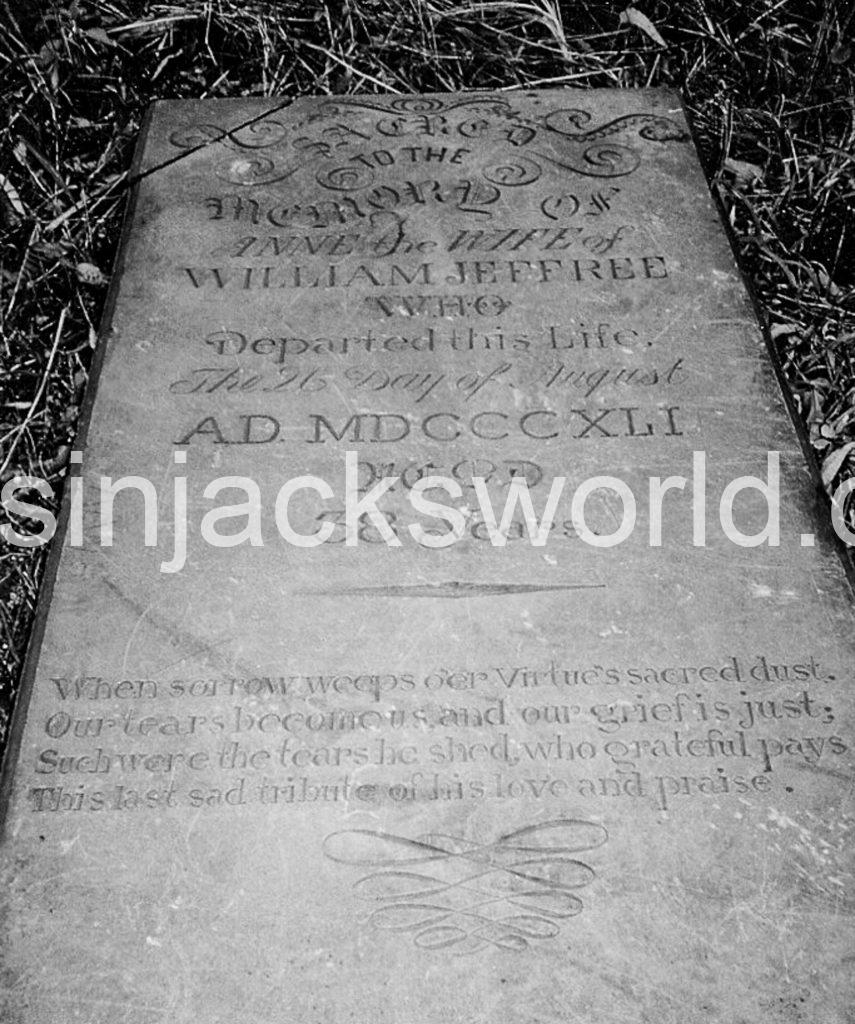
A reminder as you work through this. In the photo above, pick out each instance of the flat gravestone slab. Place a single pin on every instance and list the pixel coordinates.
(396, 783)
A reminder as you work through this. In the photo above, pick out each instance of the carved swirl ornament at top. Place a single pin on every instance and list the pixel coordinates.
(410, 105)
(602, 156)
(650, 126)
(563, 138)
(258, 135)
(249, 167)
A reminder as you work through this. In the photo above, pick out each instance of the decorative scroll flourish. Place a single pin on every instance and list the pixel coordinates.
(249, 167)
(346, 178)
(448, 892)
(517, 170)
(258, 135)
(571, 124)
(491, 104)
(410, 105)
(417, 104)
(600, 155)
(254, 170)
(577, 147)
(196, 135)
(601, 160)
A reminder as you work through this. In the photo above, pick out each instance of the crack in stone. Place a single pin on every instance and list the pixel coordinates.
(203, 145)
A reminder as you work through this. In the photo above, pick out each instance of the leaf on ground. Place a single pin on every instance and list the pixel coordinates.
(632, 16)
(833, 462)
(99, 35)
(88, 273)
(13, 209)
(815, 415)
(837, 425)
(50, 466)
(841, 54)
(49, 54)
(780, 330)
(744, 173)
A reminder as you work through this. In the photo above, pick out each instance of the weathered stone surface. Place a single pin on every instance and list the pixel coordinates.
(401, 784)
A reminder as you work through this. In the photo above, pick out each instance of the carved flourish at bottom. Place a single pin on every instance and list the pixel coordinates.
(449, 892)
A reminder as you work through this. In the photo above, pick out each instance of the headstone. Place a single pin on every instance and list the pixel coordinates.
(603, 778)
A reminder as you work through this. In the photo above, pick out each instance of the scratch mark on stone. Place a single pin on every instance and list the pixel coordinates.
(162, 625)
(833, 773)
(450, 589)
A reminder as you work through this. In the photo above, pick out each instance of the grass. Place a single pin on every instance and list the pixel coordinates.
(769, 85)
